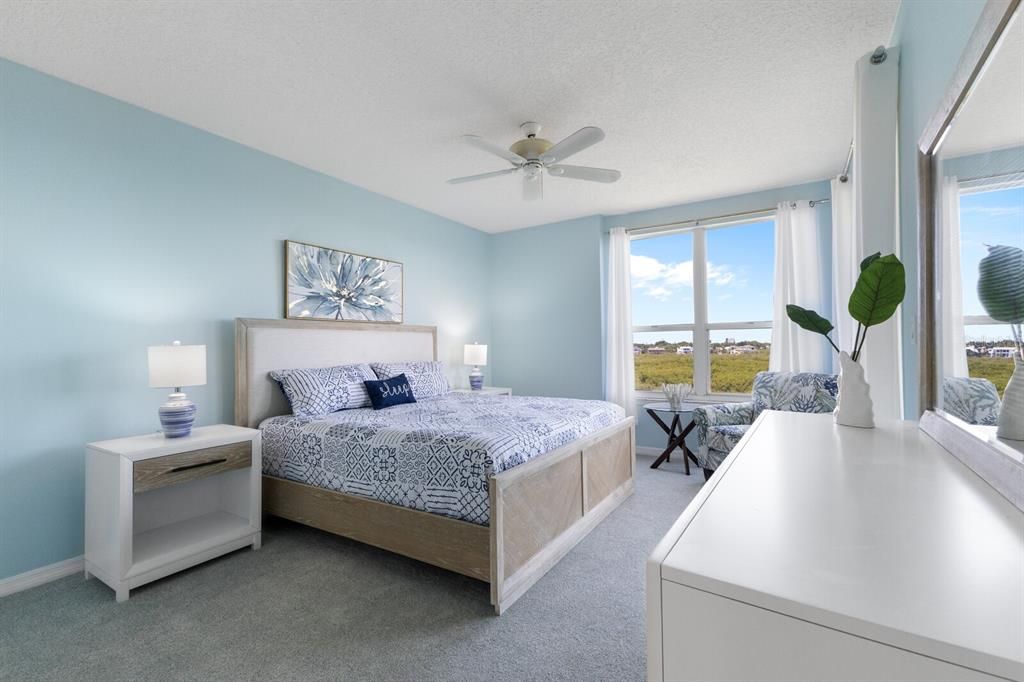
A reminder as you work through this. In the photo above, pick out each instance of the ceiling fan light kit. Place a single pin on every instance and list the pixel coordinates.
(533, 155)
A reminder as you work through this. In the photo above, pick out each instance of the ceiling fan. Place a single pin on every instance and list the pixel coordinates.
(533, 155)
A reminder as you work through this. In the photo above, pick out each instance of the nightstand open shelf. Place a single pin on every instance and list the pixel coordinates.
(155, 548)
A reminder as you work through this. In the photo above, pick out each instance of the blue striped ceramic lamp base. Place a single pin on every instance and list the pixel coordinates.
(476, 379)
(177, 415)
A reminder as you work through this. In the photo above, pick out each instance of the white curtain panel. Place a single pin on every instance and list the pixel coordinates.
(619, 362)
(952, 348)
(799, 279)
(877, 217)
(846, 250)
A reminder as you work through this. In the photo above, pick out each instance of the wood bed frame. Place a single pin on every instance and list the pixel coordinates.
(539, 510)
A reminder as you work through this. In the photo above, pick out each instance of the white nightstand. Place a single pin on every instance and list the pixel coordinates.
(156, 505)
(486, 390)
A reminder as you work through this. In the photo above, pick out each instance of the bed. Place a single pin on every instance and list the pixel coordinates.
(495, 488)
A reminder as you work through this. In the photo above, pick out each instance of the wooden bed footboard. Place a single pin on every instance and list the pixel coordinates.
(539, 512)
(542, 509)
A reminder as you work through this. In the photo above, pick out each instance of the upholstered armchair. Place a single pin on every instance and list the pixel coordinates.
(720, 427)
(976, 401)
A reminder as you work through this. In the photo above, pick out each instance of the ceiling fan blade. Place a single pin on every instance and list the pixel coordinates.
(533, 187)
(481, 176)
(575, 143)
(585, 173)
(490, 147)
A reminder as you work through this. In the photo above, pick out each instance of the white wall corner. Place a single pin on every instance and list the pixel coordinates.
(41, 575)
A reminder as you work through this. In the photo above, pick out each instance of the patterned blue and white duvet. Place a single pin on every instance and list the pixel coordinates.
(434, 455)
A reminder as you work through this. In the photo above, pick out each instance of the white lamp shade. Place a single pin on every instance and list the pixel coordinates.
(475, 354)
(176, 365)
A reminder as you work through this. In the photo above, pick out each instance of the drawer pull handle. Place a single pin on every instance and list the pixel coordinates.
(186, 467)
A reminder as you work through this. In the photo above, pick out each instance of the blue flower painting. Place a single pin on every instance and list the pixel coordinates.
(325, 284)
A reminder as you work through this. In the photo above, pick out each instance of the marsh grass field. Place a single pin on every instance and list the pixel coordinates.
(996, 370)
(729, 373)
(735, 373)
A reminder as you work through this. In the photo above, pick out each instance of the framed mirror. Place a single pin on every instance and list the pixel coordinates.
(971, 168)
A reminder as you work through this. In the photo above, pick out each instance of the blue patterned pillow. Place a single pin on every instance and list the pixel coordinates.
(426, 378)
(390, 392)
(322, 390)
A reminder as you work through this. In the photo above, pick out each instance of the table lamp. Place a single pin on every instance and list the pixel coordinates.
(475, 354)
(175, 366)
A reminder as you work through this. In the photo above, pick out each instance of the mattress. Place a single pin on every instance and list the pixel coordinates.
(434, 455)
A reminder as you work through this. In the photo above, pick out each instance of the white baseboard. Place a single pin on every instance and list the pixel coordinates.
(41, 575)
(648, 450)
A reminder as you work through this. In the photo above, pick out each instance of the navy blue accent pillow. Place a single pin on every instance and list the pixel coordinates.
(389, 392)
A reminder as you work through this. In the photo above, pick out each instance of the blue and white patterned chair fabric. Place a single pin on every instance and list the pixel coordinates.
(720, 427)
(976, 401)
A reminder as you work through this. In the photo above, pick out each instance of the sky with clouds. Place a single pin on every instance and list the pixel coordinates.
(740, 268)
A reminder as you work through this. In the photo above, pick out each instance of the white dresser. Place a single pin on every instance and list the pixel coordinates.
(819, 552)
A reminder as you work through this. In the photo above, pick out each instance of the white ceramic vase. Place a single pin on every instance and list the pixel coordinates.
(853, 408)
(1011, 412)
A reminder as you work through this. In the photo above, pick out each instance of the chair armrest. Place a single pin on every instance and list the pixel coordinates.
(723, 413)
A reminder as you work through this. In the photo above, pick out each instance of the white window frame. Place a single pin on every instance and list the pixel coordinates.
(701, 327)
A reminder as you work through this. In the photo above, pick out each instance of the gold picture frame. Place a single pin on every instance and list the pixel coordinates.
(323, 283)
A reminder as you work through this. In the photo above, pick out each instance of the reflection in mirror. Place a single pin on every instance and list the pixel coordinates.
(980, 216)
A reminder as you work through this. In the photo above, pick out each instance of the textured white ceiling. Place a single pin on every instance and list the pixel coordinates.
(699, 99)
(993, 116)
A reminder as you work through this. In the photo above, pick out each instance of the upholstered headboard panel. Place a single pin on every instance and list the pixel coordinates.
(265, 345)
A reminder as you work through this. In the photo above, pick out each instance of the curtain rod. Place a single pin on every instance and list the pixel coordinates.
(701, 221)
(845, 175)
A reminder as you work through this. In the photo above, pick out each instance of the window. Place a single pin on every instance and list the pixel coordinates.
(990, 213)
(702, 305)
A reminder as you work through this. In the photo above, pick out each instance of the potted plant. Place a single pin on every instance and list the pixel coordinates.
(879, 290)
(1001, 292)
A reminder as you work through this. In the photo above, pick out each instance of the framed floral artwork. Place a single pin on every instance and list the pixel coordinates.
(327, 284)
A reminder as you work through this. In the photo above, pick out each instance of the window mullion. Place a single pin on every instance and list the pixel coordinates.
(701, 347)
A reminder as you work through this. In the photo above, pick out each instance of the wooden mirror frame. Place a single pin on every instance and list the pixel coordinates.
(994, 462)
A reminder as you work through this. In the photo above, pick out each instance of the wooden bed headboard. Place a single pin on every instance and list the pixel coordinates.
(265, 345)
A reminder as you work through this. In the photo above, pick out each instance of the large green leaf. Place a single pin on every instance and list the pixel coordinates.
(880, 289)
(1001, 283)
(808, 319)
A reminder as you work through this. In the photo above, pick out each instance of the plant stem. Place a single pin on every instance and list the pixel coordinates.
(856, 341)
(829, 339)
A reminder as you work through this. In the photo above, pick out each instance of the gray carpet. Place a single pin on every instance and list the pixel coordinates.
(310, 605)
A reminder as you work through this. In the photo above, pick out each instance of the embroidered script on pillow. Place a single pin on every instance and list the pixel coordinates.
(390, 392)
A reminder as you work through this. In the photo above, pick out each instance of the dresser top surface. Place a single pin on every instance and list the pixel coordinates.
(150, 445)
(879, 532)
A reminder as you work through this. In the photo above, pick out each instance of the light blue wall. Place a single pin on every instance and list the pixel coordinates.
(999, 162)
(549, 284)
(546, 301)
(120, 229)
(931, 37)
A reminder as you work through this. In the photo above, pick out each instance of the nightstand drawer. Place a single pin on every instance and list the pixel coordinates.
(158, 472)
